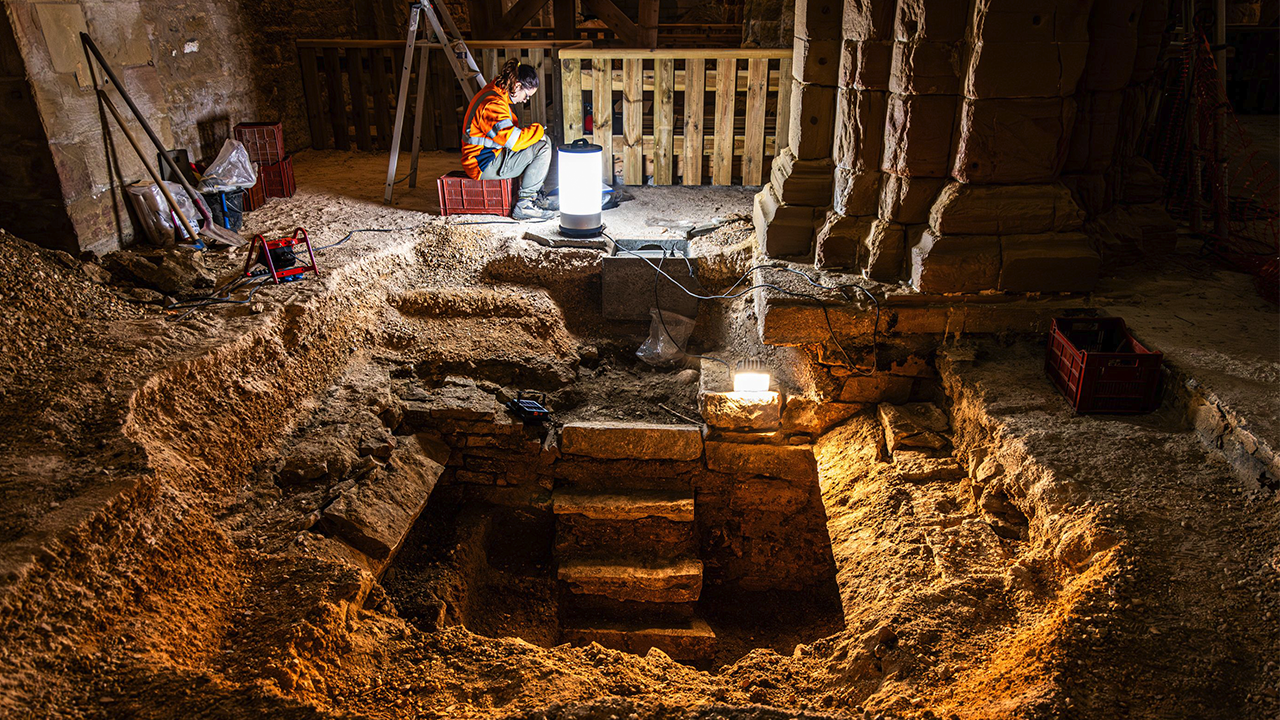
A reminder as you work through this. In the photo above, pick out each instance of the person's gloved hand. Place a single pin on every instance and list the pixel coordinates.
(529, 135)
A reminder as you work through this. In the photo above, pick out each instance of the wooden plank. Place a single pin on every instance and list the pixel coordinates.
(419, 116)
(695, 73)
(585, 53)
(359, 98)
(571, 98)
(783, 124)
(451, 104)
(514, 19)
(432, 130)
(538, 105)
(555, 124)
(321, 44)
(566, 19)
(726, 94)
(628, 32)
(337, 99)
(311, 92)
(648, 23)
(632, 122)
(753, 154)
(664, 122)
(602, 108)
(380, 90)
(489, 63)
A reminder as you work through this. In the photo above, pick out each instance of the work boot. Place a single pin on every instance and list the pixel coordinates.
(547, 202)
(526, 210)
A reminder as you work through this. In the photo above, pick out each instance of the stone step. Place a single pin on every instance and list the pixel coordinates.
(655, 538)
(674, 581)
(691, 641)
(617, 440)
(670, 504)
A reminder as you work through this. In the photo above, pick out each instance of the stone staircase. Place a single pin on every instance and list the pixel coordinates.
(628, 566)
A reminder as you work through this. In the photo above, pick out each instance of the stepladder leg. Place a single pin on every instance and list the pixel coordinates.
(402, 100)
(424, 70)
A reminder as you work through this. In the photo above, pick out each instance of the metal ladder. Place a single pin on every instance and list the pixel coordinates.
(464, 68)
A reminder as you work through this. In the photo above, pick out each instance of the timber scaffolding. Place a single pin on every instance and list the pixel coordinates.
(672, 120)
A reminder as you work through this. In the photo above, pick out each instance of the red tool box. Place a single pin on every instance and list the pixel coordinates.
(281, 252)
(1098, 365)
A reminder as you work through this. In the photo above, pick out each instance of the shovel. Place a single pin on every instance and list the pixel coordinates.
(215, 234)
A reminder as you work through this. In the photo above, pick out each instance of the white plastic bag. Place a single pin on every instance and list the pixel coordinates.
(231, 170)
(160, 224)
(668, 333)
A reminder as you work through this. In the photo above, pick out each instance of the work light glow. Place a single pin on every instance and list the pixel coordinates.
(750, 382)
(580, 170)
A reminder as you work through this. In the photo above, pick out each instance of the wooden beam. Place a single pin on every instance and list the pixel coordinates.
(753, 154)
(628, 32)
(516, 18)
(664, 124)
(602, 114)
(337, 99)
(571, 79)
(479, 16)
(311, 86)
(588, 53)
(695, 75)
(632, 123)
(648, 23)
(566, 19)
(726, 93)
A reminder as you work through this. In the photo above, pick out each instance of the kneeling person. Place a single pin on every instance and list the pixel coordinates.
(495, 148)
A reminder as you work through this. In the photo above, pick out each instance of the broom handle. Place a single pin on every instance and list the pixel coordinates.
(155, 139)
(173, 204)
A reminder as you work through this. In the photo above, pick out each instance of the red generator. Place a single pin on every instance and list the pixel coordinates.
(280, 257)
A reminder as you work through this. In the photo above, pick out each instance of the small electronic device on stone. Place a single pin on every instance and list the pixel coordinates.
(529, 409)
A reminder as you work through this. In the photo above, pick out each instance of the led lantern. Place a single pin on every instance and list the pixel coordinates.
(750, 376)
(581, 166)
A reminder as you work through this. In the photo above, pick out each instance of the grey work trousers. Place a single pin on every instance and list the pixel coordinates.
(530, 165)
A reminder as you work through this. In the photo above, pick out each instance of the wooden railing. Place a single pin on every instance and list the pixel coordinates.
(350, 87)
(728, 35)
(686, 116)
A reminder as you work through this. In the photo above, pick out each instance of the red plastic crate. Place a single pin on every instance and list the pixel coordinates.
(460, 195)
(256, 196)
(277, 179)
(264, 141)
(1100, 368)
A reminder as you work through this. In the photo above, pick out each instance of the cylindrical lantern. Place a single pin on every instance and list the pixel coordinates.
(580, 172)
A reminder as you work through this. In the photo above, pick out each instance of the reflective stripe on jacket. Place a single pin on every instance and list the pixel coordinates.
(489, 127)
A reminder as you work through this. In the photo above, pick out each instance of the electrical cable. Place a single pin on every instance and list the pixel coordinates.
(730, 295)
(657, 304)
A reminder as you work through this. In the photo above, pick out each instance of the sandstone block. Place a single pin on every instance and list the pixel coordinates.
(631, 441)
(690, 641)
(782, 229)
(812, 121)
(865, 65)
(677, 581)
(913, 425)
(671, 505)
(1012, 141)
(886, 251)
(581, 537)
(926, 68)
(769, 494)
(917, 468)
(377, 513)
(741, 411)
(840, 239)
(907, 199)
(937, 20)
(869, 20)
(856, 193)
(877, 388)
(1145, 228)
(802, 182)
(1051, 262)
(1031, 21)
(816, 61)
(1089, 192)
(1093, 137)
(809, 416)
(955, 263)
(789, 462)
(818, 19)
(963, 209)
(1024, 69)
(859, 129)
(917, 135)
(1113, 45)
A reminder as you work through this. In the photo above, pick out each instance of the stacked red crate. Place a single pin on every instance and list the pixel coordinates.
(265, 143)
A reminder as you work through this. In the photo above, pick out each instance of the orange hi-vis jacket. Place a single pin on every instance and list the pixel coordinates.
(490, 127)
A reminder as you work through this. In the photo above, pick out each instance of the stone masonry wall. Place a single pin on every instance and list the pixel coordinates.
(944, 133)
(194, 67)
